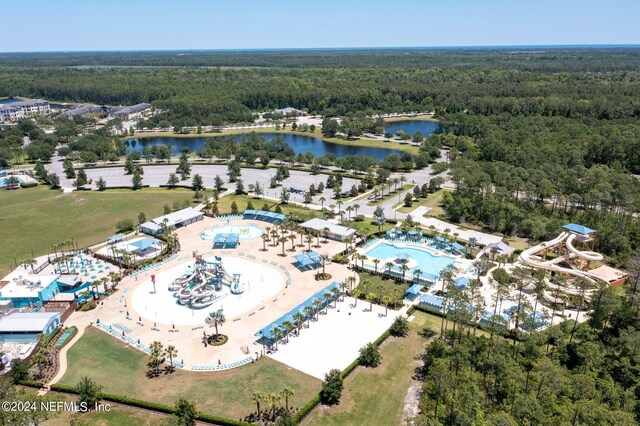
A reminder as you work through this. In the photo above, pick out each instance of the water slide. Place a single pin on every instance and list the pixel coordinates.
(589, 255)
(528, 258)
(182, 281)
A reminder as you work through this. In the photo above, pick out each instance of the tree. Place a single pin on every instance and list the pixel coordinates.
(156, 356)
(173, 181)
(287, 393)
(218, 183)
(196, 183)
(53, 180)
(215, 319)
(81, 179)
(284, 196)
(88, 392)
(378, 218)
(142, 218)
(234, 207)
(19, 370)
(399, 327)
(171, 352)
(239, 187)
(185, 413)
(136, 180)
(331, 388)
(369, 355)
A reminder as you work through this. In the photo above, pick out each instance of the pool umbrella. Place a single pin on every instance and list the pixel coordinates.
(402, 257)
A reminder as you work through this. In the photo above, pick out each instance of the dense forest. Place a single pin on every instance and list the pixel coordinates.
(568, 375)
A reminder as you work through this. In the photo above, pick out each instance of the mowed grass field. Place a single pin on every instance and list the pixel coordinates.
(375, 396)
(117, 415)
(36, 218)
(122, 370)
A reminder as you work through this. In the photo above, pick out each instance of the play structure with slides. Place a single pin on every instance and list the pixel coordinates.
(529, 258)
(204, 283)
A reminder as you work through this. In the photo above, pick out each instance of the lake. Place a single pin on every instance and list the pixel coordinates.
(412, 126)
(299, 143)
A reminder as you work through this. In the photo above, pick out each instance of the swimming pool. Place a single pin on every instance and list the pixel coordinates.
(246, 232)
(428, 263)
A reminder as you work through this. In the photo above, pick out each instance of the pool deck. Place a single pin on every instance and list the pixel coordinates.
(241, 328)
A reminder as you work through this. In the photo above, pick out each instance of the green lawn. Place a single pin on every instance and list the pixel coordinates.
(117, 416)
(375, 396)
(224, 206)
(36, 218)
(388, 197)
(366, 223)
(380, 286)
(433, 201)
(122, 370)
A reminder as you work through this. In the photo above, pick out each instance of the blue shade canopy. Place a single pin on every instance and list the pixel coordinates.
(583, 230)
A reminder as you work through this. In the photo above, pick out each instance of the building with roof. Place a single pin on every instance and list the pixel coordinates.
(290, 112)
(132, 111)
(25, 327)
(615, 277)
(332, 230)
(497, 249)
(176, 219)
(28, 291)
(14, 111)
(265, 216)
(123, 112)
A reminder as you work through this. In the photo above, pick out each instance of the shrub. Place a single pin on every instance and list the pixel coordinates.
(88, 306)
(369, 355)
(331, 388)
(400, 327)
(19, 370)
(88, 391)
(124, 225)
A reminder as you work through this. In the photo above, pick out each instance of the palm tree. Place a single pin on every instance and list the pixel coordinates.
(267, 232)
(31, 262)
(356, 294)
(265, 238)
(258, 397)
(362, 259)
(276, 335)
(389, 265)
(309, 239)
(332, 208)
(386, 300)
(317, 240)
(215, 319)
(317, 303)
(404, 268)
(335, 293)
(299, 320)
(471, 244)
(349, 209)
(309, 312)
(416, 274)
(292, 237)
(274, 399)
(327, 298)
(370, 298)
(347, 241)
(288, 327)
(355, 208)
(375, 264)
(171, 352)
(283, 240)
(339, 203)
(325, 234)
(286, 393)
(322, 200)
(156, 355)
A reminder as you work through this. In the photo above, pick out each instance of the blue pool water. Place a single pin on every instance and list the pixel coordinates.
(427, 262)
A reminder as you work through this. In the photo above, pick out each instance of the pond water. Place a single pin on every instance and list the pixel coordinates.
(412, 126)
(299, 143)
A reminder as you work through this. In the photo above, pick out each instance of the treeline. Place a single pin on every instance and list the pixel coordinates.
(527, 175)
(192, 96)
(554, 377)
(545, 59)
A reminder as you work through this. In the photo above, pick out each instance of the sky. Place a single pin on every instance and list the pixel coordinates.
(80, 25)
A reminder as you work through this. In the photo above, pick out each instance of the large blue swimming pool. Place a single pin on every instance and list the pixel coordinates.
(428, 263)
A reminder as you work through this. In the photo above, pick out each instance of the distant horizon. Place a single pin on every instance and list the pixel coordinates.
(159, 25)
(346, 48)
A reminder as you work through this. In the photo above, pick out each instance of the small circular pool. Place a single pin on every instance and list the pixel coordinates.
(246, 232)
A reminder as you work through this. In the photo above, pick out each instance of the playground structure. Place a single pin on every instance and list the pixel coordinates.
(203, 284)
(567, 260)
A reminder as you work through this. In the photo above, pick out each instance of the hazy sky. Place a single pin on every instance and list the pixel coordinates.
(38, 25)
